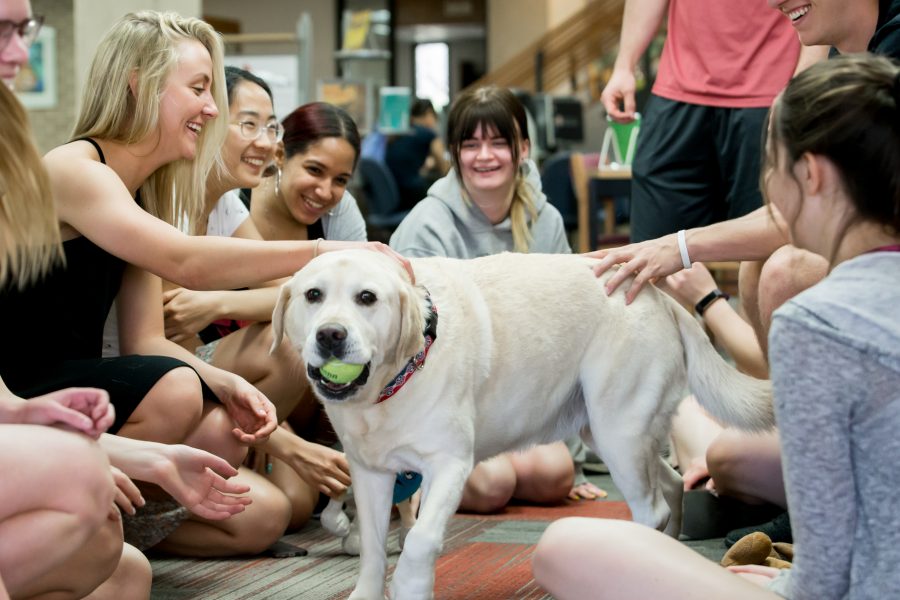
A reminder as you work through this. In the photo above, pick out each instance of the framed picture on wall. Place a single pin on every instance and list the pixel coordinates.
(35, 85)
(352, 95)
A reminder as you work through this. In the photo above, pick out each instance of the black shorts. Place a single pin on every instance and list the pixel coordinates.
(127, 379)
(694, 165)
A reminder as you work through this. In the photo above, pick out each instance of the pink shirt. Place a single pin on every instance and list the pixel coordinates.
(729, 53)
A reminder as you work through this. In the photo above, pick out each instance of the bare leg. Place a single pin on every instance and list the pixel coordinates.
(56, 492)
(747, 466)
(213, 434)
(130, 581)
(581, 558)
(96, 562)
(281, 376)
(785, 274)
(169, 411)
(491, 485)
(544, 474)
(692, 432)
(301, 495)
(249, 532)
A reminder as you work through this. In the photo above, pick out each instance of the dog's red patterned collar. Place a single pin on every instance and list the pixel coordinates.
(418, 361)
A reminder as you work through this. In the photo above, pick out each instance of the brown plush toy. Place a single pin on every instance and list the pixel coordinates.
(757, 549)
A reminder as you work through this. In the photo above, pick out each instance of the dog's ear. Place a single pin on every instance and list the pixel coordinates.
(412, 322)
(284, 297)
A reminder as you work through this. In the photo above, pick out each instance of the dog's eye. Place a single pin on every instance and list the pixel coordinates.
(313, 295)
(366, 298)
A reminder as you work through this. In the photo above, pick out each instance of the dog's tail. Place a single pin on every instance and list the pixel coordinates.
(729, 396)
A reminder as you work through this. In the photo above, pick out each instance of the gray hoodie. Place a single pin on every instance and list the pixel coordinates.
(443, 224)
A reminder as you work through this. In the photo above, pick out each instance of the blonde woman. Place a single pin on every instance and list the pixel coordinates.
(145, 140)
(57, 491)
(491, 202)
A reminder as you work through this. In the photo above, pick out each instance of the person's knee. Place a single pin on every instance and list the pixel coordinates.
(568, 542)
(725, 462)
(177, 401)
(267, 522)
(215, 434)
(490, 487)
(103, 553)
(786, 273)
(547, 477)
(86, 478)
(134, 575)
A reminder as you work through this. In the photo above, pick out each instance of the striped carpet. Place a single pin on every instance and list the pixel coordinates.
(484, 557)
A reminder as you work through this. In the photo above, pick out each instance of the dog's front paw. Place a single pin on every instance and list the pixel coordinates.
(407, 590)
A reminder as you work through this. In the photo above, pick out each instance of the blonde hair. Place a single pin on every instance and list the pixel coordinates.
(29, 231)
(143, 44)
(496, 109)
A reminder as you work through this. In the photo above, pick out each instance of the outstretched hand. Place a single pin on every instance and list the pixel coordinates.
(198, 480)
(128, 497)
(646, 261)
(86, 410)
(251, 411)
(323, 468)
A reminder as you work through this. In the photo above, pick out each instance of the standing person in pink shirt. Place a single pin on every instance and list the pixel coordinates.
(697, 157)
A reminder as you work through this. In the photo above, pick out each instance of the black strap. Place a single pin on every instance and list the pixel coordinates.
(93, 143)
(708, 299)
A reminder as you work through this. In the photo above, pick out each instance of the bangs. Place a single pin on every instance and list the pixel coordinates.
(493, 118)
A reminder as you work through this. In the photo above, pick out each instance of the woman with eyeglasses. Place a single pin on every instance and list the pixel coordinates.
(146, 138)
(235, 325)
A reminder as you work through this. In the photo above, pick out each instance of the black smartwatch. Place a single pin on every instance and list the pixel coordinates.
(708, 299)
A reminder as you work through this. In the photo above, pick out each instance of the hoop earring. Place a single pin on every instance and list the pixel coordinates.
(278, 182)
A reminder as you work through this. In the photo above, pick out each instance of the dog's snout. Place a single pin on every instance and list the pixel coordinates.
(331, 337)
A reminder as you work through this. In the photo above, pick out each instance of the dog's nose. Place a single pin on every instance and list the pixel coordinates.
(331, 337)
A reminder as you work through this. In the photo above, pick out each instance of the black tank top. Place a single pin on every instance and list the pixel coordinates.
(62, 315)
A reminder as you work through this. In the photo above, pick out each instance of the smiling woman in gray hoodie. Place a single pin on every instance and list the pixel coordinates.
(491, 202)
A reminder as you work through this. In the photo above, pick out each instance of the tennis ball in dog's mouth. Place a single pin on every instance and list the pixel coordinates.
(339, 372)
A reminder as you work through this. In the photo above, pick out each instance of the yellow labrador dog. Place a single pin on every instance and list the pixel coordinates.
(490, 355)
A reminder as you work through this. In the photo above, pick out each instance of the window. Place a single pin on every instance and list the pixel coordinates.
(432, 62)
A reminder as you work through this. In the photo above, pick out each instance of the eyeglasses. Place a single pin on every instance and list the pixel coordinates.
(251, 130)
(27, 29)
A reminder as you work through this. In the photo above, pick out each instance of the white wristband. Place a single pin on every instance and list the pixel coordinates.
(682, 247)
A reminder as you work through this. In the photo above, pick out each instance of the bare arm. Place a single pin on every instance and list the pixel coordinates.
(736, 336)
(640, 23)
(187, 312)
(92, 201)
(754, 236)
(321, 467)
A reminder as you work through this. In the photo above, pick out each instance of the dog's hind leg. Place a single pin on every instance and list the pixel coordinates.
(373, 491)
(628, 431)
(414, 575)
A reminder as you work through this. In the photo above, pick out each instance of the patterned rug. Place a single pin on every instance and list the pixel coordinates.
(485, 557)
